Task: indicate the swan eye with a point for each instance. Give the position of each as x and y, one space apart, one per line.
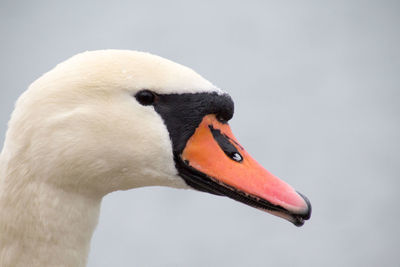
145 97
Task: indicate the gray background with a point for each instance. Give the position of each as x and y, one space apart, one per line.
316 86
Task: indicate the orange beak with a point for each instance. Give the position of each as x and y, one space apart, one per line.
220 165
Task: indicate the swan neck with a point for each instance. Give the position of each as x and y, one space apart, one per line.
42 224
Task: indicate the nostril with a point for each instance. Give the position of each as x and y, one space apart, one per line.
236 156
226 146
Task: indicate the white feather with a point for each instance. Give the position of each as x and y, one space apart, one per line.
75 135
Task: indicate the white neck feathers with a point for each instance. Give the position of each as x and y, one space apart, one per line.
42 225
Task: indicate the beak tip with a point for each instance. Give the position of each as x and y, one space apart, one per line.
307 214
299 222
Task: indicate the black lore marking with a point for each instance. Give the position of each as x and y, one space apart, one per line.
182 113
224 143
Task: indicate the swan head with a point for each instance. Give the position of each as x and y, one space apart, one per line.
114 120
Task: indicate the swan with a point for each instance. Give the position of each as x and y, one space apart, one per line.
113 120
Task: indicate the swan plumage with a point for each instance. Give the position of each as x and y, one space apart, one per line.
79 133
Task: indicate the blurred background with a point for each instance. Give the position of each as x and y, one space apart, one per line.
316 88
